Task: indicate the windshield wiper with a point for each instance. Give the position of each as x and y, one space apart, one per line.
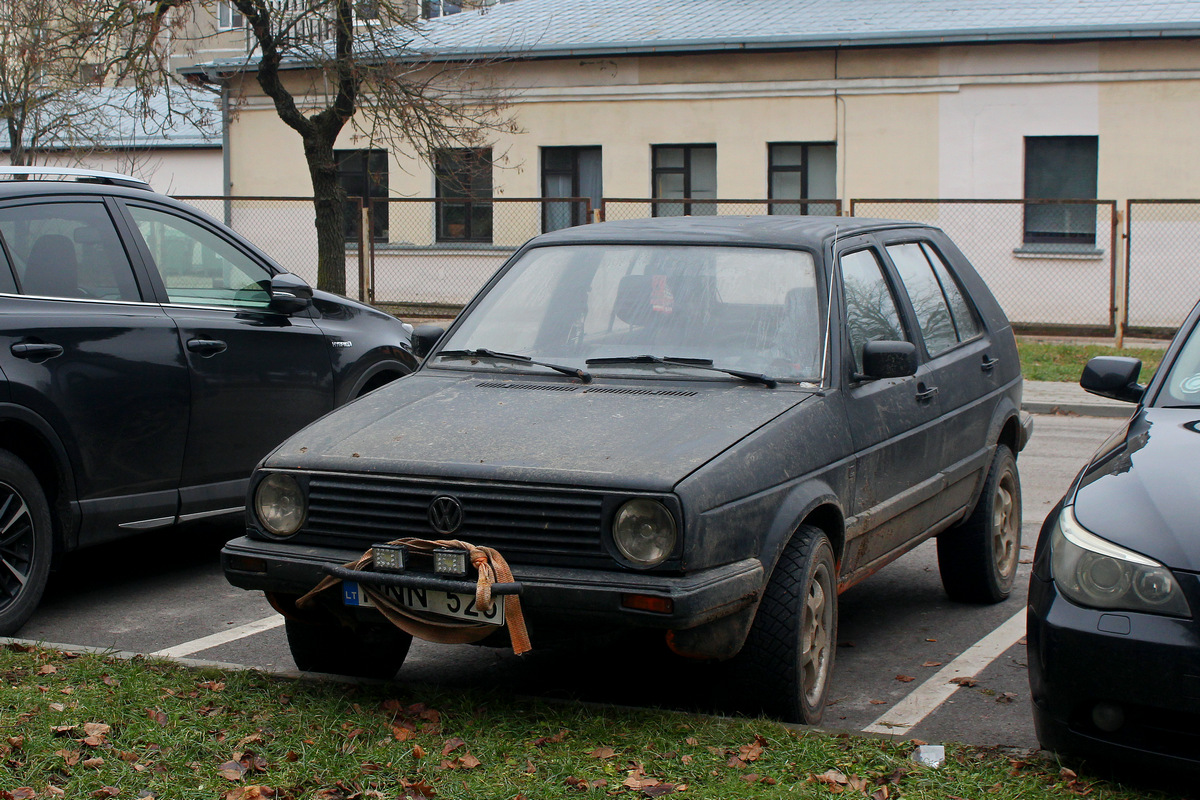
697 363
482 352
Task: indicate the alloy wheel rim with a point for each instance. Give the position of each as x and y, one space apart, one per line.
16 544
816 633
1006 534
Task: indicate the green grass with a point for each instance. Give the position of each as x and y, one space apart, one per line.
1052 361
95 726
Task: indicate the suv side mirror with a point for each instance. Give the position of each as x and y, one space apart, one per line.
424 337
883 359
1115 377
289 294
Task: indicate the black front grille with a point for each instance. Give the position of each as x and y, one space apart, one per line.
527 526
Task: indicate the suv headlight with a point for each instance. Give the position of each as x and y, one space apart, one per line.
1096 573
644 531
280 504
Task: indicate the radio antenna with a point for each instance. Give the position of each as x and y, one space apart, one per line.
833 274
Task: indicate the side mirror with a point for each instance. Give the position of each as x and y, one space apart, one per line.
289 294
424 337
883 359
1114 377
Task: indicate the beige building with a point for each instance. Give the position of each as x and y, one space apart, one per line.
701 100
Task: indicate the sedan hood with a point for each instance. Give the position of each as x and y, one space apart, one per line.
645 435
1141 490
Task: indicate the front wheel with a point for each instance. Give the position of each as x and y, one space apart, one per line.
369 652
978 559
787 660
25 543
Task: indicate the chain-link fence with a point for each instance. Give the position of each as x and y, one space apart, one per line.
1050 263
615 208
1161 279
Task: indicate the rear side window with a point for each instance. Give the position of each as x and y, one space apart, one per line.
8 282
197 266
942 312
68 250
965 321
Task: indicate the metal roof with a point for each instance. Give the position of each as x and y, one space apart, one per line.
556 28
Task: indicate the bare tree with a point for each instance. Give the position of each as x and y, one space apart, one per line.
326 64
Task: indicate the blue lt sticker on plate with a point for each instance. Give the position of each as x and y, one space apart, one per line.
442 604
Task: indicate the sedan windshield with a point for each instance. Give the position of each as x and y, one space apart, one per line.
609 307
1182 385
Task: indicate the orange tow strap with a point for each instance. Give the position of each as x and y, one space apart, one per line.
490 565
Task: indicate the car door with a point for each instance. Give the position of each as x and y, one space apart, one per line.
892 421
83 349
961 360
257 376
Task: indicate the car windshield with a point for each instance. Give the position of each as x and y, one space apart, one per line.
599 307
1182 384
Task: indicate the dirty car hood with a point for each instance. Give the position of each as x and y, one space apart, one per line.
644 435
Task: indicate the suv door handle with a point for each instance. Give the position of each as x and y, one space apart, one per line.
36 351
206 347
924 395
989 363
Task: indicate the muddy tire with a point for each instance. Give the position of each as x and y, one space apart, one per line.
786 663
978 558
26 543
369 652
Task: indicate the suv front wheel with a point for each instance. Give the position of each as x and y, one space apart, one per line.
25 543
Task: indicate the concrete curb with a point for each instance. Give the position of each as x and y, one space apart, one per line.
1069 409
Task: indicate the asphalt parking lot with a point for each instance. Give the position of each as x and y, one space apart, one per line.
901 640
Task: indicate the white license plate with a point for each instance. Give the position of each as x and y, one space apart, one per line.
432 601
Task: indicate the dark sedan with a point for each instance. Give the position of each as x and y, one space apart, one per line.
1114 642
149 357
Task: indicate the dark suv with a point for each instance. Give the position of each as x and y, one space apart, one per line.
149 357
707 426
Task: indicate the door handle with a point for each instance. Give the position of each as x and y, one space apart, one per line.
924 395
206 348
989 363
36 351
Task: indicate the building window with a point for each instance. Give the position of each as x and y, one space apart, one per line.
464 176
228 17
1061 168
800 170
569 172
687 172
364 176
431 9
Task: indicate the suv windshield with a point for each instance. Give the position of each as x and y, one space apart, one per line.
745 308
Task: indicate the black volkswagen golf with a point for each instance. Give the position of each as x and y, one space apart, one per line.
703 426
149 357
1114 641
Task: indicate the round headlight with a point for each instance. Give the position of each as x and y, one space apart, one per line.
644 531
279 504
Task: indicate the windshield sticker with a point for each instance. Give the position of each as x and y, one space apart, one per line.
661 299
1190 385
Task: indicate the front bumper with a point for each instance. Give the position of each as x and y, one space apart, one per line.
1146 666
548 594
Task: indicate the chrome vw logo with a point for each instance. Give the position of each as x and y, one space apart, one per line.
445 514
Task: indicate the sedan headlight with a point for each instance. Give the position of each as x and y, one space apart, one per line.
280 505
644 531
1096 573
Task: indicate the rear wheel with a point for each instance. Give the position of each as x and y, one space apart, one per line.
376 651
26 543
978 559
787 660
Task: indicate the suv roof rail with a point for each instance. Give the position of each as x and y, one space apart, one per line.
68 173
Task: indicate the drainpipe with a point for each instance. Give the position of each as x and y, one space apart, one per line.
226 178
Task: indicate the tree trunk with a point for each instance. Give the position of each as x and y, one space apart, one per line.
329 201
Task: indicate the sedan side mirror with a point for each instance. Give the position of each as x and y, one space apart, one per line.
424 337
1114 377
883 359
289 294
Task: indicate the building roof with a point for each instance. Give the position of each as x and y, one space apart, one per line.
560 28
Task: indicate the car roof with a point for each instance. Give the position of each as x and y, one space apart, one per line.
775 230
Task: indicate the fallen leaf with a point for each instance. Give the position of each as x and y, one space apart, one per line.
106 791
693 741
469 761
62 730
232 770
555 739
451 745
57 707
94 763
931 640
109 680
403 734
1006 697
158 716
23 793
905 678
879 702
932 664
47 669
418 751
964 681
603 752
70 756
96 729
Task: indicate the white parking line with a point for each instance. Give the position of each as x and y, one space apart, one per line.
922 701
233 634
